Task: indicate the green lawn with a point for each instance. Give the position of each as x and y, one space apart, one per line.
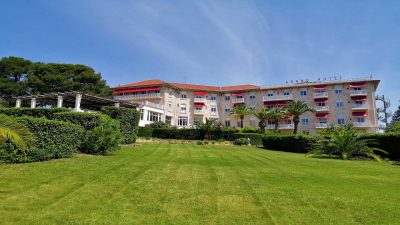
193 184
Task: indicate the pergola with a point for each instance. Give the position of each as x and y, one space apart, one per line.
73 99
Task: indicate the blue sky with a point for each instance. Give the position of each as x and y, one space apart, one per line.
211 42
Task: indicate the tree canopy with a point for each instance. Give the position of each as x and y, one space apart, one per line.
19 76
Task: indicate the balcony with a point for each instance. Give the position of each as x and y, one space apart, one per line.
321 95
199 112
359 107
281 126
237 100
152 105
324 108
138 96
358 92
199 100
361 124
321 125
277 98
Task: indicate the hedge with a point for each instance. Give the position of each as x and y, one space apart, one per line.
289 143
33 112
186 134
53 139
390 142
129 121
102 134
255 139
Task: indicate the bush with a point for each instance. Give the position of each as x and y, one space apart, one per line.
255 139
102 133
241 141
289 143
129 121
33 112
394 126
145 132
53 139
199 143
249 130
159 124
174 133
389 142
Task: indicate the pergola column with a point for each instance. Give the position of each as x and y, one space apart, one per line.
18 103
33 103
78 99
60 101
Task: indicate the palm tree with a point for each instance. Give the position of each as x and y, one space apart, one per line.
296 109
207 127
346 141
11 130
276 114
241 111
262 115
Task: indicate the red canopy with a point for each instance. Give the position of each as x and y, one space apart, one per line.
200 93
132 90
322 115
359 98
199 104
357 84
321 100
360 114
238 94
320 87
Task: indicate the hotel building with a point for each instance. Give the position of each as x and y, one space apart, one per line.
182 105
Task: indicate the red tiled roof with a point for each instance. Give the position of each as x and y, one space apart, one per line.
194 87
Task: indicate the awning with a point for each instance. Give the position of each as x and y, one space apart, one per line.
357 84
322 115
359 98
320 87
238 94
199 104
132 90
360 114
321 100
200 93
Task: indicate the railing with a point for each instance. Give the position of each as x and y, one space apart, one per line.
237 100
277 98
361 124
199 100
322 108
150 95
153 105
281 126
358 92
199 111
321 125
321 95
359 106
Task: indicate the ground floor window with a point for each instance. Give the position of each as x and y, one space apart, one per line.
168 120
227 123
141 114
153 116
182 121
252 123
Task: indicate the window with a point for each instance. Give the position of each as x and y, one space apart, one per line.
227 123
183 95
339 104
338 91
153 116
303 93
286 93
168 119
360 119
270 94
198 109
322 120
141 114
213 110
359 103
340 120
304 122
227 110
182 121
227 98
213 98
252 97
357 89
238 124
169 105
321 104
252 123
183 108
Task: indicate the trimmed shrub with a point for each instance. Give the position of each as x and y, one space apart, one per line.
389 142
145 132
241 141
53 139
185 134
129 121
289 143
102 133
255 139
249 130
33 112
